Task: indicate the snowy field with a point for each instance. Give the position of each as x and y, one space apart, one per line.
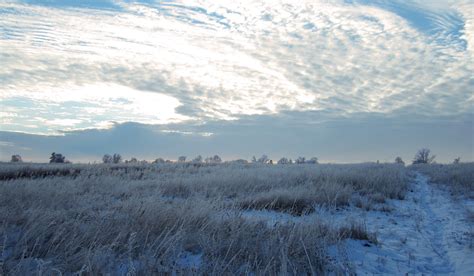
255 219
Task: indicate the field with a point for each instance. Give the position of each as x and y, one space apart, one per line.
218 219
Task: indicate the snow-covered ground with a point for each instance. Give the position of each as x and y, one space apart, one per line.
428 232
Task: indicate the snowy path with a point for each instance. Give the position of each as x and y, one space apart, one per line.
427 233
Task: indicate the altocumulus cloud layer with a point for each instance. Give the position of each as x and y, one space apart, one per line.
343 80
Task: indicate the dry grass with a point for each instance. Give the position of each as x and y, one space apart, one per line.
357 231
294 203
458 177
121 219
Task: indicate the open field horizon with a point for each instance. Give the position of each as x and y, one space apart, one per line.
346 81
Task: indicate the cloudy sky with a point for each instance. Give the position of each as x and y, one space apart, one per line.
346 81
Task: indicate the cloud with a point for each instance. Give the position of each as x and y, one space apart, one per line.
293 134
232 58
72 65
52 111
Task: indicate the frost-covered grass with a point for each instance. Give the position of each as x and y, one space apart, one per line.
458 177
156 218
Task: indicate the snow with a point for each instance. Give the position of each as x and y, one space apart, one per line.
190 260
427 233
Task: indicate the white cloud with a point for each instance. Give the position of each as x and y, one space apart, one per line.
225 59
77 107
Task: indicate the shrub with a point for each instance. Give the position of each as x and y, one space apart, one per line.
16 158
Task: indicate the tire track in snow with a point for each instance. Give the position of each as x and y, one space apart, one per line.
450 239
432 230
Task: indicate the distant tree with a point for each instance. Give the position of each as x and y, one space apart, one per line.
254 160
290 161
216 159
213 159
52 158
117 158
132 160
300 160
283 161
159 161
457 160
181 159
57 158
197 159
263 159
399 160
107 159
16 158
313 160
423 157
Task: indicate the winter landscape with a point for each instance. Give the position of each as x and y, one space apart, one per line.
236 137
237 218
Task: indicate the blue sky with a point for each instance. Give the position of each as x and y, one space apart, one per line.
346 81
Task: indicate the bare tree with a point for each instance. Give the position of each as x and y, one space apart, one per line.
457 160
213 159
263 159
283 161
159 161
117 158
57 158
107 159
197 159
16 158
181 159
313 160
300 160
399 160
217 159
423 157
132 160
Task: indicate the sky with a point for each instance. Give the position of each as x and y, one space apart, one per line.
345 81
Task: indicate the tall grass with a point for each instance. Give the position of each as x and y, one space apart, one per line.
143 219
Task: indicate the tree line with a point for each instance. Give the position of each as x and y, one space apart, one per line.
422 156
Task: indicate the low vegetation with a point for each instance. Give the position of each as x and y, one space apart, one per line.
180 217
459 177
